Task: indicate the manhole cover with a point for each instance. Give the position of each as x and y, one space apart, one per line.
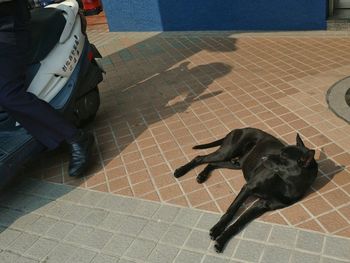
338 98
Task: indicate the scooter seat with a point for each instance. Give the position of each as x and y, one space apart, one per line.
47 25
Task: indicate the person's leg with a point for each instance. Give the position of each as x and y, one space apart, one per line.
35 115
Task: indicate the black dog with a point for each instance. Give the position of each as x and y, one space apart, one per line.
277 174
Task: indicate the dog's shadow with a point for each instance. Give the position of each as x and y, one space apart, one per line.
327 169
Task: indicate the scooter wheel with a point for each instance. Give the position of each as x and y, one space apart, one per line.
86 108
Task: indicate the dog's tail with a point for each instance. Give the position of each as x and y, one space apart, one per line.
209 145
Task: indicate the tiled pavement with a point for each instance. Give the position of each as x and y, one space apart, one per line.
48 222
165 92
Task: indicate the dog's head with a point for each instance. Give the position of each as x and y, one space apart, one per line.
291 159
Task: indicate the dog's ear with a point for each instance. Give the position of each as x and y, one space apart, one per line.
307 158
299 141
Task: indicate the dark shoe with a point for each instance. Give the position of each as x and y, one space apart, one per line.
81 151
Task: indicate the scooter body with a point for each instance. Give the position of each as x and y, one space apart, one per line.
64 72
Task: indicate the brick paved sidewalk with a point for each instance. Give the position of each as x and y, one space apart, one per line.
47 222
165 92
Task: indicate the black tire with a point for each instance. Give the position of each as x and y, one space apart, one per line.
86 108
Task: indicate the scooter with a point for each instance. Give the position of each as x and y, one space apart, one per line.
64 71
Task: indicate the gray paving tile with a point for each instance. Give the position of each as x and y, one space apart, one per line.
229 249
166 213
249 251
51 190
41 226
88 236
26 260
95 217
310 241
257 231
92 198
25 221
337 247
102 258
187 217
110 203
7 236
186 256
302 257
132 225
207 221
33 203
281 235
140 249
60 230
118 244
154 230
146 209
176 235
61 253
23 242
163 254
113 221
41 248
198 240
76 213
57 209
333 260
75 195
215 259
276 254
128 205
123 260
8 216
8 257
81 255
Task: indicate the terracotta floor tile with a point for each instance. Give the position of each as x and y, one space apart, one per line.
118 184
332 222
220 190
170 192
95 179
142 188
317 205
190 185
211 206
274 218
345 232
337 197
139 176
151 196
181 201
345 211
102 188
311 225
295 214
199 197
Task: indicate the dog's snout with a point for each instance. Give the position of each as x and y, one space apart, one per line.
264 158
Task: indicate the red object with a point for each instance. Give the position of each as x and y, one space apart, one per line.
92 7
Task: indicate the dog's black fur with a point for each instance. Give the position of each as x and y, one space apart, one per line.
278 174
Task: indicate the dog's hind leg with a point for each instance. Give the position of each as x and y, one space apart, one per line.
220 226
204 175
257 209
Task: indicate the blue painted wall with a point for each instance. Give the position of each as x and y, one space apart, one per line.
170 15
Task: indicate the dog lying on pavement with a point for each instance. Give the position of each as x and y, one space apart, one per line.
278 174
